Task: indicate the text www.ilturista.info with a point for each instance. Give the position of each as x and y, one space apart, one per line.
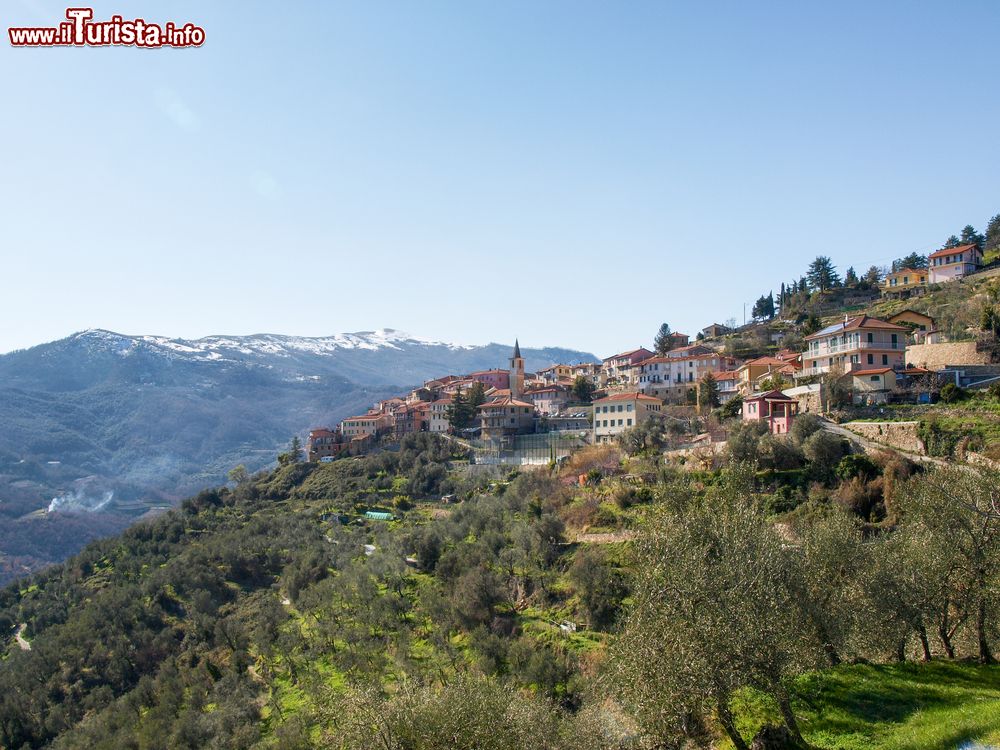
80 30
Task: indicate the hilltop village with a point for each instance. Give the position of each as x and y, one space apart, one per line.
818 348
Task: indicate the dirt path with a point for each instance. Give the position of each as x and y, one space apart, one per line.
606 538
19 637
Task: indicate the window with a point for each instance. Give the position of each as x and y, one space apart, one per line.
874 378
871 359
871 337
620 422
629 408
885 359
630 423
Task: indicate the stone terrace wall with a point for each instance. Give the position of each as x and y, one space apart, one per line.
939 356
900 435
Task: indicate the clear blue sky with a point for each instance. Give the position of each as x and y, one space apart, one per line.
570 173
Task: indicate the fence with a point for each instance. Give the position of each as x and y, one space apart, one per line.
528 450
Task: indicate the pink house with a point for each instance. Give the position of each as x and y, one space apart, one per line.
774 408
954 262
499 379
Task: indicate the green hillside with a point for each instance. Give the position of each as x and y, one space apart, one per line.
619 600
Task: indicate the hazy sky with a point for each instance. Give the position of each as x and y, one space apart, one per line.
568 173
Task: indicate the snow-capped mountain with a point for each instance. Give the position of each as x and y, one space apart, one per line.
152 418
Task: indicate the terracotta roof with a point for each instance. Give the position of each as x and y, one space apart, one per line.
322 432
626 354
505 401
951 251
693 349
769 396
764 361
874 371
916 371
912 312
903 271
635 396
731 375
856 323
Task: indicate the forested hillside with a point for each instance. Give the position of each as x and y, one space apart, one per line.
620 600
120 424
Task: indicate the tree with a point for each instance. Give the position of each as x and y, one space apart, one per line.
714 612
811 324
822 274
992 239
971 237
955 509
476 398
708 391
915 261
989 321
850 277
824 450
598 585
583 389
951 242
458 412
830 564
663 342
873 276
239 475
763 308
294 453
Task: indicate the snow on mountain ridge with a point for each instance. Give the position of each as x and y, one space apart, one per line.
213 347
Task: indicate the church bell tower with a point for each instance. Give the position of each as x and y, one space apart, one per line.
516 372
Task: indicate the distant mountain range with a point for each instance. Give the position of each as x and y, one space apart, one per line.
101 427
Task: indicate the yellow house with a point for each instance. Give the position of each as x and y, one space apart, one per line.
905 282
616 413
911 318
750 372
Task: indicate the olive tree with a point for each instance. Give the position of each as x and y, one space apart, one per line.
714 611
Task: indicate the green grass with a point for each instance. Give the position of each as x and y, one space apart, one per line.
936 706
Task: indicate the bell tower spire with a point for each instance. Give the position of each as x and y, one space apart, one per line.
516 371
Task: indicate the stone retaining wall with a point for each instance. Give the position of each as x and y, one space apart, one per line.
939 356
901 435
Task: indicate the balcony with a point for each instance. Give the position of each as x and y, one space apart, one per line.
852 346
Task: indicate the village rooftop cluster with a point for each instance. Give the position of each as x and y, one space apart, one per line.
869 358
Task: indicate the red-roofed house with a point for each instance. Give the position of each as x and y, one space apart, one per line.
324 443
618 412
751 372
774 408
872 385
505 416
728 383
367 425
670 377
492 378
621 369
857 343
548 400
954 262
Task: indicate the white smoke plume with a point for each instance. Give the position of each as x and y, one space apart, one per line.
79 500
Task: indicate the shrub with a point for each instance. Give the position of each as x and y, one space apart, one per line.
857 465
952 394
